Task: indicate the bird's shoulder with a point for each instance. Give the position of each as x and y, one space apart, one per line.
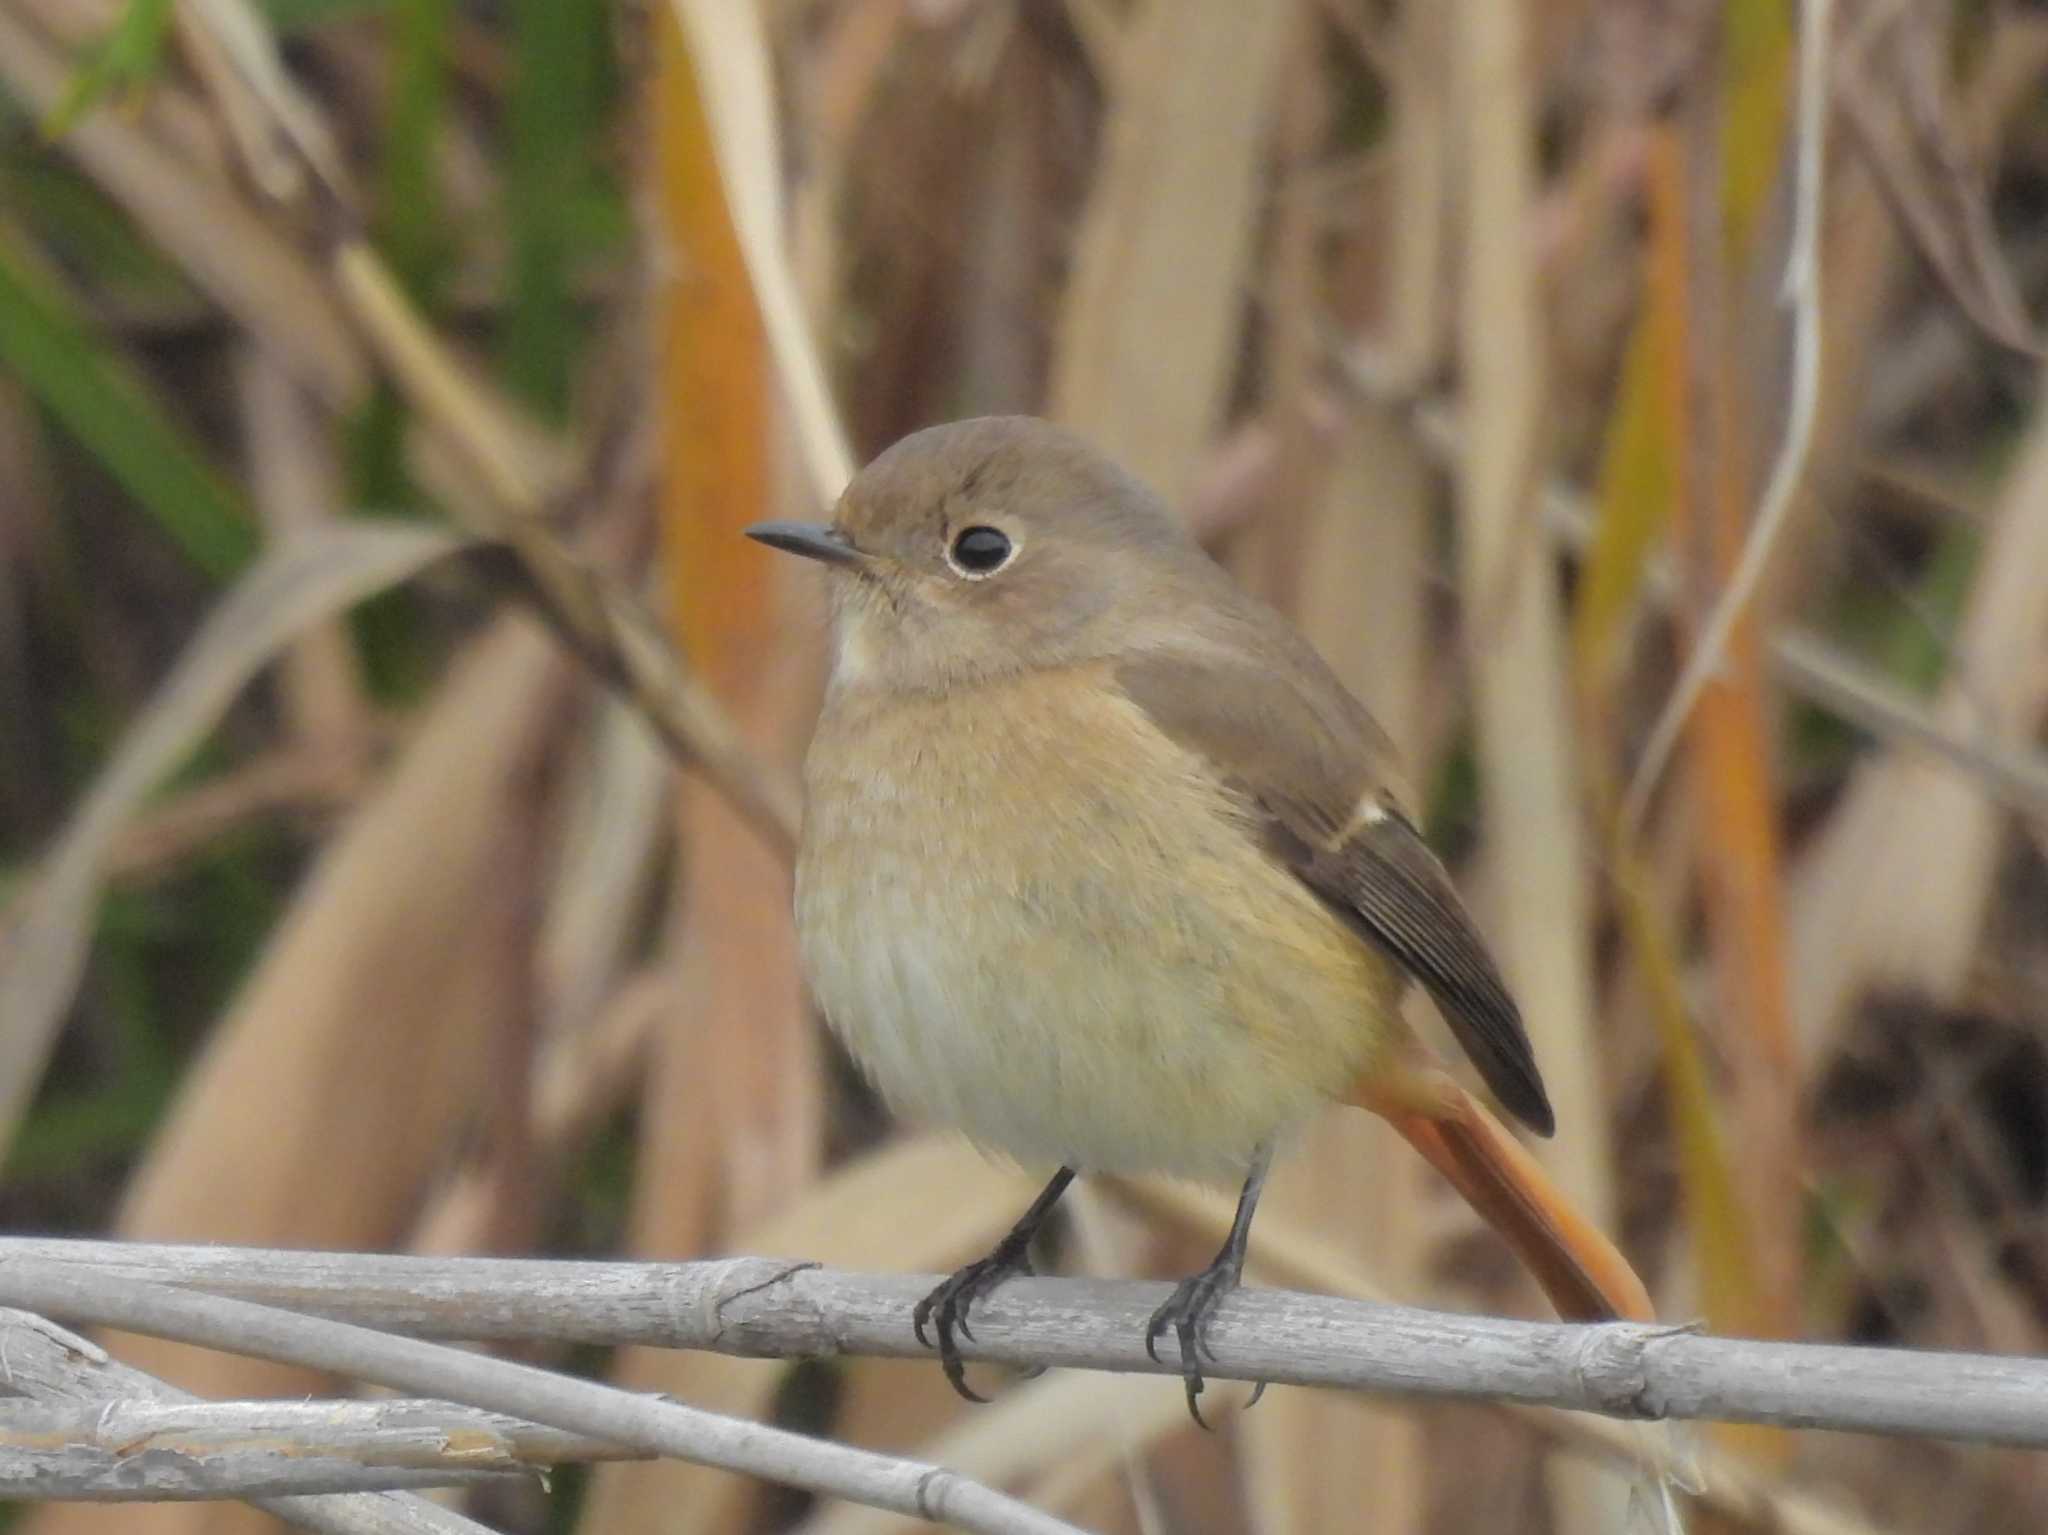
1245 691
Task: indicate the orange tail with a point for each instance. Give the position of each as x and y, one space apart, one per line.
1583 1273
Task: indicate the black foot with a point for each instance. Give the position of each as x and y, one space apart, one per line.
1186 1315
946 1307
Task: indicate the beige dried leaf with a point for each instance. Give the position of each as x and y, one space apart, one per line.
1150 325
48 929
1076 1424
1897 891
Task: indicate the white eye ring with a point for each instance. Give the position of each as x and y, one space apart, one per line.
979 551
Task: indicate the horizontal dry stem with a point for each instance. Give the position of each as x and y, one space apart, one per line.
140 1451
782 1308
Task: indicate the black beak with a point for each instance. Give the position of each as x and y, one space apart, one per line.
812 540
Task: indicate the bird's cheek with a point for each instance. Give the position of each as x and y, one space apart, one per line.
857 643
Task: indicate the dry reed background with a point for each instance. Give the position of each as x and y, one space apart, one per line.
1461 330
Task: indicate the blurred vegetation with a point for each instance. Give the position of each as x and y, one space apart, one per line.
425 944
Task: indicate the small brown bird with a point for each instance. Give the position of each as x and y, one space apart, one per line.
1104 867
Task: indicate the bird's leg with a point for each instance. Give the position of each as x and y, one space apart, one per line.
1186 1312
946 1307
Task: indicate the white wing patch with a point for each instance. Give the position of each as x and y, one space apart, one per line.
1371 811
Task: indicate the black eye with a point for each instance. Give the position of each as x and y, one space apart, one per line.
979 551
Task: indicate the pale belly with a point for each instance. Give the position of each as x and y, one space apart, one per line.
1057 936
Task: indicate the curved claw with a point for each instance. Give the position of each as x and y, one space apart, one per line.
947 1306
956 1370
1186 1314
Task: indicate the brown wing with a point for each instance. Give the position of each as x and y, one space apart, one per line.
1280 727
